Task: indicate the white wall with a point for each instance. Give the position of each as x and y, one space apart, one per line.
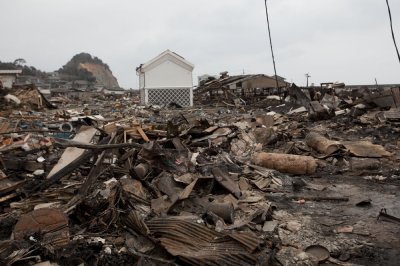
7 80
168 75
141 81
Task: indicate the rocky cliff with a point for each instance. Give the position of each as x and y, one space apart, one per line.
102 74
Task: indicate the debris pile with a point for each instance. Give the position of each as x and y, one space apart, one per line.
27 97
234 185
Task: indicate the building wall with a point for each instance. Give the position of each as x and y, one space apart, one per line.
168 75
142 96
7 80
142 81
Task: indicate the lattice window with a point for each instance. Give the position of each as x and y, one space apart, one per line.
166 96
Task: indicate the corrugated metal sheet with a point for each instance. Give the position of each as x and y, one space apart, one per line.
198 245
135 221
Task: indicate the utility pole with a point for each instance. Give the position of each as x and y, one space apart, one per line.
272 52
307 76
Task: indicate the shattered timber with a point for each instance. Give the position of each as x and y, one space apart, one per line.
295 176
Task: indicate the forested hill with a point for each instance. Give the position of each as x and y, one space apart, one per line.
86 67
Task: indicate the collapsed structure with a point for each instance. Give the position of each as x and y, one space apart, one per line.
245 87
304 179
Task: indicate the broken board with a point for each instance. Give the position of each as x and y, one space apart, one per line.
84 135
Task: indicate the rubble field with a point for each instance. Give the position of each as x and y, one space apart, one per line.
294 181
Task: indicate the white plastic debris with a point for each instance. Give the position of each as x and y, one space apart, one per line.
10 97
38 172
94 240
107 250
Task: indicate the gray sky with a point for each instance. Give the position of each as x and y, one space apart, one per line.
333 40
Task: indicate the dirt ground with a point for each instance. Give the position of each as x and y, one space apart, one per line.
371 242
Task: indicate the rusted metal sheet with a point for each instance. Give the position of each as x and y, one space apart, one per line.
366 149
51 224
286 163
198 245
322 144
135 221
224 179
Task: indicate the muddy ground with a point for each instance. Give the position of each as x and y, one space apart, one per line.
371 242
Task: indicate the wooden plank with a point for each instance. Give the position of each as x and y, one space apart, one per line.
84 135
144 136
110 128
396 96
7 185
4 127
210 129
10 196
2 175
133 133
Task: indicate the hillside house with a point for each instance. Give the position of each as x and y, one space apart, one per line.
166 79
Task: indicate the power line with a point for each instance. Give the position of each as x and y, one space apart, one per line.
272 50
391 28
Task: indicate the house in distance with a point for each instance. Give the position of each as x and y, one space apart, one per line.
8 77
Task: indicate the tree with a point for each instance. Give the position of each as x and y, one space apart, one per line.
19 62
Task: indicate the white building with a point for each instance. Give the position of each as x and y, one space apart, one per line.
166 79
8 77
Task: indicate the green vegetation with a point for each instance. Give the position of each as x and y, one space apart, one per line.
73 69
26 70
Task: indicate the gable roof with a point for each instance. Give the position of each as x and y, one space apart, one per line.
164 56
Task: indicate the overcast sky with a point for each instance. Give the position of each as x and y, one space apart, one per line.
333 40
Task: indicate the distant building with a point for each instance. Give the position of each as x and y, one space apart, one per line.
8 77
74 94
116 92
243 86
81 84
166 79
279 78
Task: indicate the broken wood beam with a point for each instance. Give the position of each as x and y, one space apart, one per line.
142 134
85 134
307 198
68 143
93 175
